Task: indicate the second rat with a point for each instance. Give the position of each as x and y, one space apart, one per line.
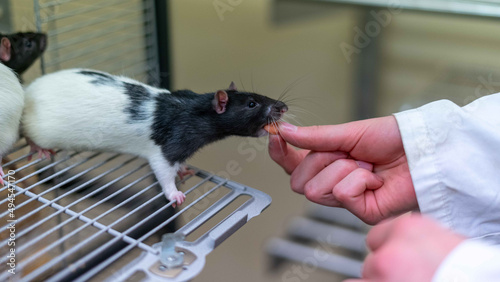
81 109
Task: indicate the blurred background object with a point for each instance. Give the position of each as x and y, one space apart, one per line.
337 61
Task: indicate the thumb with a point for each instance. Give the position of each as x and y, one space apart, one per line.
341 137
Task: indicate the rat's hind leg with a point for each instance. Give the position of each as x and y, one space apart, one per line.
41 151
165 173
184 170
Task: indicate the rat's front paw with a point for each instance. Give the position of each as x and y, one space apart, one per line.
178 196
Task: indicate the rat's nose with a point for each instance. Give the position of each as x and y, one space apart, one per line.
280 107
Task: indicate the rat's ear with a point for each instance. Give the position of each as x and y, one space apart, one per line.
5 49
220 101
232 86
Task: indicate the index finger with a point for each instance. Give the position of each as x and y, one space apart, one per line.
341 137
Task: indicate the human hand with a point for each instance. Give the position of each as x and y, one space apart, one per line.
409 248
360 166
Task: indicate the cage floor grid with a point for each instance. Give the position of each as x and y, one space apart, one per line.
99 216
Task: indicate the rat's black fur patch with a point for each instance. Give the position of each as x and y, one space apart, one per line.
99 77
185 121
178 127
137 94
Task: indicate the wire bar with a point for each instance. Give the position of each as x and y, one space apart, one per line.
132 64
71 219
88 222
111 259
32 227
68 180
105 44
119 236
56 3
81 11
76 25
82 38
141 70
76 189
18 159
80 53
33 174
114 55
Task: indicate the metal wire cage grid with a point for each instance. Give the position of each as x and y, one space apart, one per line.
101 211
117 36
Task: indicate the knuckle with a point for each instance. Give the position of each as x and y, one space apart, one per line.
342 195
363 175
295 185
326 158
310 191
346 165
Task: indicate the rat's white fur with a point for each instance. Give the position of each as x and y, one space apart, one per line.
11 108
64 110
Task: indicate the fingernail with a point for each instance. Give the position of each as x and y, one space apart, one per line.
365 165
288 127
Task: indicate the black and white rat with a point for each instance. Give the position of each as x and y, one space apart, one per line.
11 108
81 109
19 50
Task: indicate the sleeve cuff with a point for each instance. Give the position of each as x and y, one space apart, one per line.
420 150
470 261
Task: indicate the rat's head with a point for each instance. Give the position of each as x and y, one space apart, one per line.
245 113
18 51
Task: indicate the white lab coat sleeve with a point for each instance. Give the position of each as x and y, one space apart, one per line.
469 262
454 158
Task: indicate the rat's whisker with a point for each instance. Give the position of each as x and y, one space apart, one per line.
295 99
251 81
279 133
241 82
322 119
293 84
294 119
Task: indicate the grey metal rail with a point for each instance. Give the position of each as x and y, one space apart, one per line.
464 7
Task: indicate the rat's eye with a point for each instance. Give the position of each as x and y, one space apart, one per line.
28 43
252 104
